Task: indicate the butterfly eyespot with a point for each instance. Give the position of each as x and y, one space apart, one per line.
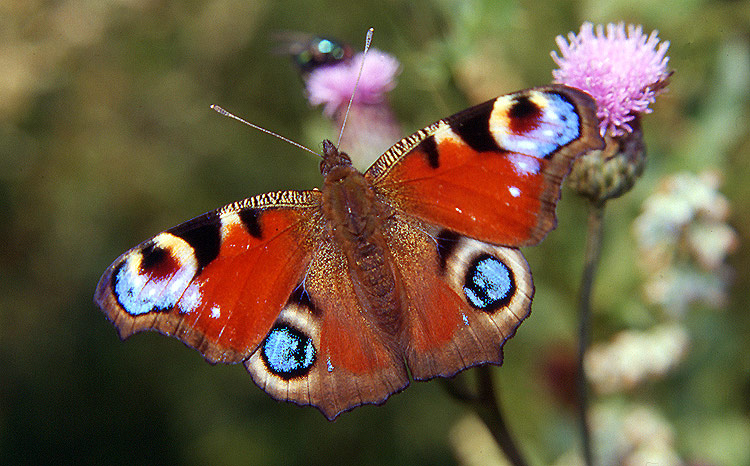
489 283
152 279
153 256
287 352
524 115
535 125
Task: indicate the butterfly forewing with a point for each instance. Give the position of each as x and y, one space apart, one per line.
201 280
492 172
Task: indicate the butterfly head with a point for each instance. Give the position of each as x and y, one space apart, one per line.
334 161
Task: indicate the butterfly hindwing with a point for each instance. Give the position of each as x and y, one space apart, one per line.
465 297
492 172
200 281
324 349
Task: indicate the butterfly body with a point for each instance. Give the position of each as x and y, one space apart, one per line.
356 221
332 297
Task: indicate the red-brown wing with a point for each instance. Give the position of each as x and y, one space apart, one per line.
465 298
492 172
219 281
323 350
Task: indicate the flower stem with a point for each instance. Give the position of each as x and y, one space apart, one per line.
593 253
488 408
486 404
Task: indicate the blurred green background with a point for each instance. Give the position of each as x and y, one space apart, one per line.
106 138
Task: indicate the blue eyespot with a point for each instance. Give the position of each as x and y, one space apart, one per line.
489 283
288 352
154 283
540 131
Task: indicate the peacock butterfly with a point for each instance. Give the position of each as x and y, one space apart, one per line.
332 297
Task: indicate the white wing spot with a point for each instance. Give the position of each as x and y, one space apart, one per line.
524 165
330 366
525 146
515 192
191 298
215 312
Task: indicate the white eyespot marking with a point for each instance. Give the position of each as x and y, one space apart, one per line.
524 165
329 365
138 294
154 277
192 298
514 191
526 146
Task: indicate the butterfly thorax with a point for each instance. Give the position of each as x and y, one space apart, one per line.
355 220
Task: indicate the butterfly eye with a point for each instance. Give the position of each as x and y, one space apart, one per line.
287 352
489 283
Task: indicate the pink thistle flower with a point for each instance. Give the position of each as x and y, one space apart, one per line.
332 86
623 71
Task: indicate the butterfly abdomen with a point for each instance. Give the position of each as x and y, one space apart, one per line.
355 219
373 274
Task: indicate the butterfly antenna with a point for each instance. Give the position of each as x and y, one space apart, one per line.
233 116
368 41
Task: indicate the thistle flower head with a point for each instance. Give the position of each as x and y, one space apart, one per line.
622 70
332 86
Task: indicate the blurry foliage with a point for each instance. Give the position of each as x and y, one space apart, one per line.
106 138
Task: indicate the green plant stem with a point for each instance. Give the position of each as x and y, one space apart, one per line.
593 254
487 406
